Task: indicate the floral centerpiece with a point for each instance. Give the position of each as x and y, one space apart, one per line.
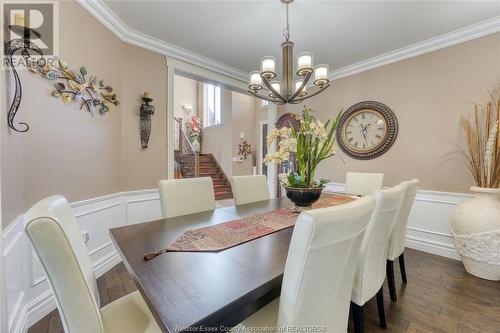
304 148
193 128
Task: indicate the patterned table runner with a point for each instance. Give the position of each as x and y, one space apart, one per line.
223 236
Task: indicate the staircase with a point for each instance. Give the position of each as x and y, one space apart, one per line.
191 164
208 167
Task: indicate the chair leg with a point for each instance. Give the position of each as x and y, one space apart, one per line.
389 269
402 267
380 307
357 317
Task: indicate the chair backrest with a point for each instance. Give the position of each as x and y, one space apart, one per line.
186 196
319 270
363 183
57 240
247 189
370 270
398 237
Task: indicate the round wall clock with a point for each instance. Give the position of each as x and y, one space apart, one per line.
367 130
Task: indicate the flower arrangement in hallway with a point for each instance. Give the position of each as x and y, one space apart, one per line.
306 147
193 129
482 148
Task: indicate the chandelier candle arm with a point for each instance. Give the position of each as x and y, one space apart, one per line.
272 91
301 89
321 75
298 100
304 63
268 66
255 81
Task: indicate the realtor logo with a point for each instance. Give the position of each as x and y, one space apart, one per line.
29 28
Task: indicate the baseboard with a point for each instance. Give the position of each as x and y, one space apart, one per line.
30 297
106 263
430 246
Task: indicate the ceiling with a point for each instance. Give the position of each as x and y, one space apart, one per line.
339 33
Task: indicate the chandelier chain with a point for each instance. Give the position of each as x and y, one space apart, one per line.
286 31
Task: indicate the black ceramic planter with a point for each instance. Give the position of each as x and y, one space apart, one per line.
303 197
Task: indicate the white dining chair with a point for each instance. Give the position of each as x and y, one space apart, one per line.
247 189
363 183
319 270
398 237
58 243
186 196
369 275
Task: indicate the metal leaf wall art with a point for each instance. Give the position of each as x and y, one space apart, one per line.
77 87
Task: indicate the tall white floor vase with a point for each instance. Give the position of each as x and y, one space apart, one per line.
475 227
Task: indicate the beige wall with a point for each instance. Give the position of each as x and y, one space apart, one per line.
67 151
243 119
428 94
238 116
216 140
185 92
141 71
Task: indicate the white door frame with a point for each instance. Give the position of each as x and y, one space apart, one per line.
197 73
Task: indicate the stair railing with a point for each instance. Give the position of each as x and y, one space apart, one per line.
185 147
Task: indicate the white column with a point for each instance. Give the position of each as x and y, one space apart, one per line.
272 117
170 121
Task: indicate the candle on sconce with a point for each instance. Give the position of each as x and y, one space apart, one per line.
255 80
276 86
297 87
321 74
304 63
19 19
268 66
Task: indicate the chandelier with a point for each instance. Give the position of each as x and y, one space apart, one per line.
263 84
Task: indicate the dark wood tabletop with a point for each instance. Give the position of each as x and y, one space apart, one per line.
198 291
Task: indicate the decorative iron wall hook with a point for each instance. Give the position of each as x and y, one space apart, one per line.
11 47
146 112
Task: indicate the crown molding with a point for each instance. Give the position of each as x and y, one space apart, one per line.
111 21
465 34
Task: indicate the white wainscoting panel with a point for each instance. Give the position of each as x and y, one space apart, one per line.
429 221
28 297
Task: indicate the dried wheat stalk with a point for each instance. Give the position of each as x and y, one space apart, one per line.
482 148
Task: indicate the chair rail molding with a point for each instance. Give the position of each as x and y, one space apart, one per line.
28 297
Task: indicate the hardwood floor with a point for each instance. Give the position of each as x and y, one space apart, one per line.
439 297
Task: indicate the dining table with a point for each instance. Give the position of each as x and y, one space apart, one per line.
204 291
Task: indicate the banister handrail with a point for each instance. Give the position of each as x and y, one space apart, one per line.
183 135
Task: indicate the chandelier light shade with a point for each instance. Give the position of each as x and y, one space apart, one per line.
295 84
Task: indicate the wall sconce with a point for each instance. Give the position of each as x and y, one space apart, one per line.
187 109
146 112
